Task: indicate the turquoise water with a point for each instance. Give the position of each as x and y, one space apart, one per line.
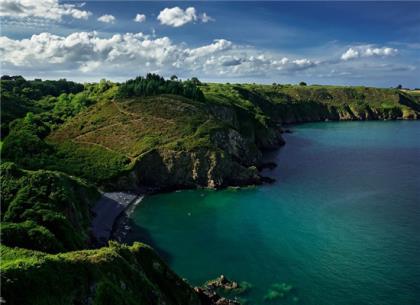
341 224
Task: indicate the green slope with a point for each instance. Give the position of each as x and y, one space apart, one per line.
112 275
44 210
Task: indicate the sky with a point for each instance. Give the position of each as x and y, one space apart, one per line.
341 43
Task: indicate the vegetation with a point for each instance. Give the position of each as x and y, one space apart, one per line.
43 210
111 275
101 132
154 84
62 140
20 96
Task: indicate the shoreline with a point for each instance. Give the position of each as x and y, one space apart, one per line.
120 227
110 210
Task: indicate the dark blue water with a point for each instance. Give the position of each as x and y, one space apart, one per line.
341 224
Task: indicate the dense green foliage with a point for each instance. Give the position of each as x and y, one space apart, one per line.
112 275
29 235
52 102
154 84
19 96
44 210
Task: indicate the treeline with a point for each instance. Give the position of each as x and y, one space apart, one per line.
154 84
37 88
52 100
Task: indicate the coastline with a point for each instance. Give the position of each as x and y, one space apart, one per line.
113 209
110 214
120 227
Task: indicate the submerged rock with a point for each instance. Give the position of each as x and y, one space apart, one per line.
266 179
267 165
278 291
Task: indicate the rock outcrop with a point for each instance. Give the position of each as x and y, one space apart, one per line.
169 169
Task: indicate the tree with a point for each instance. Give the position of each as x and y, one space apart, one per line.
399 86
195 81
174 77
154 84
302 84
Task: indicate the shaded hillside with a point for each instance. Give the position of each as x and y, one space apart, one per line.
112 275
44 210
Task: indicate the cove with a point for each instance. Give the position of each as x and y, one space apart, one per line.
341 223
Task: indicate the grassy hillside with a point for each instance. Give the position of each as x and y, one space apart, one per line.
292 104
135 128
112 275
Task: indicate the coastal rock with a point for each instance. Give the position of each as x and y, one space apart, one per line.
170 169
222 282
240 148
210 297
225 286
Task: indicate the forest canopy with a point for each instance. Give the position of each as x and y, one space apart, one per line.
154 84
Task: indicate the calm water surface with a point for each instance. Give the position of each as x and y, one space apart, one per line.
341 224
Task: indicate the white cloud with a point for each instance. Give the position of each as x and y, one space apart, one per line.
177 17
136 53
107 19
350 54
206 18
217 45
367 51
45 9
140 18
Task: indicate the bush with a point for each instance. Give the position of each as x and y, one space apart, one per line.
57 206
29 235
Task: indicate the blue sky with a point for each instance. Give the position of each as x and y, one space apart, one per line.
348 43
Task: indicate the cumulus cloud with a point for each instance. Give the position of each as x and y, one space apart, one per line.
140 18
137 53
367 51
107 19
177 17
45 9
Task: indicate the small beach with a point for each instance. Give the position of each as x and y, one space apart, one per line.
109 211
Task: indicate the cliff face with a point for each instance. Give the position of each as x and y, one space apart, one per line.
181 169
